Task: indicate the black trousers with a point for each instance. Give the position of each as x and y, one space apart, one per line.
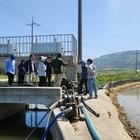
20 79
83 81
42 81
48 78
10 78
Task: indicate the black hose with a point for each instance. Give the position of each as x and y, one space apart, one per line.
89 108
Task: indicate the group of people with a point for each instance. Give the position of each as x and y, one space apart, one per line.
87 76
28 67
44 69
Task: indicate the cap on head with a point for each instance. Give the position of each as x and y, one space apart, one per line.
12 55
83 62
42 58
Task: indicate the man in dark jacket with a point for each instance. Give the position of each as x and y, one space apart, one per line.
83 78
30 68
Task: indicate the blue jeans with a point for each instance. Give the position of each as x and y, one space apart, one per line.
92 86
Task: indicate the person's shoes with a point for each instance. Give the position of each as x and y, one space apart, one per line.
90 97
85 94
95 97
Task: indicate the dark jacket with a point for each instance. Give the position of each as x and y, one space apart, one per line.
21 69
29 66
49 68
84 72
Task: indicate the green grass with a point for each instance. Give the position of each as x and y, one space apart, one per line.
3 76
111 76
106 76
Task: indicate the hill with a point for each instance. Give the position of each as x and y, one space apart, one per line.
119 60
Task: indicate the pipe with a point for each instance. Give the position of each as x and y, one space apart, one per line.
89 108
51 110
89 124
54 119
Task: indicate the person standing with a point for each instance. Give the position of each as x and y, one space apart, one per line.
21 72
42 71
57 64
10 68
78 71
91 70
48 70
30 68
83 78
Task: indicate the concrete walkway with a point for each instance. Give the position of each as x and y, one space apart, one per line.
107 126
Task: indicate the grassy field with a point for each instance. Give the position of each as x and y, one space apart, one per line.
104 77
107 76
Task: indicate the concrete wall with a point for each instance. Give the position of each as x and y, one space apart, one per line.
117 83
62 129
30 95
7 110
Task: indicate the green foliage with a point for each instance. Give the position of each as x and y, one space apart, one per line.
120 60
112 76
2 70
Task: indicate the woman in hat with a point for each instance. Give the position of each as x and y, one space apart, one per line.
42 71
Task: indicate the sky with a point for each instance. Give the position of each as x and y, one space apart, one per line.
108 26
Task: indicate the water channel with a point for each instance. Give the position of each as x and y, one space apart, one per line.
130 101
19 126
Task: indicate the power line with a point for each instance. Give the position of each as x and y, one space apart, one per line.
19 11
11 27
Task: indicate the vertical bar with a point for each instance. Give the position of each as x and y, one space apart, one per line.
79 29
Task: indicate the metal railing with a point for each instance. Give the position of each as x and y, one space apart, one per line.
42 44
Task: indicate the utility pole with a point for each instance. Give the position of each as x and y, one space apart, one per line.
32 26
79 29
136 61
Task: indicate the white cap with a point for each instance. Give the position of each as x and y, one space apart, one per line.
43 58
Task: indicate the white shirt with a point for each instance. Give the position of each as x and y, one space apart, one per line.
78 69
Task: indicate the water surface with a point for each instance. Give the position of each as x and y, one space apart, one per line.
130 101
19 126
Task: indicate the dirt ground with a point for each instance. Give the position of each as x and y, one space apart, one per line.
112 93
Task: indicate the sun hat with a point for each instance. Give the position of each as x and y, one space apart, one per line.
42 58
